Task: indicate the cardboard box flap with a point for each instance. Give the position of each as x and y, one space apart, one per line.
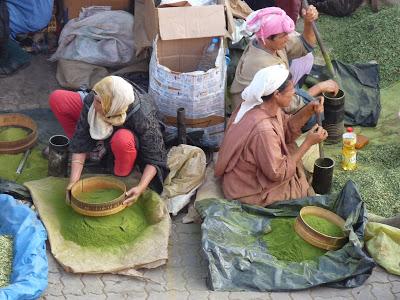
174 4
186 22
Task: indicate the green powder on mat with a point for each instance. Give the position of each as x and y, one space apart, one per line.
12 133
109 231
323 226
6 258
286 245
100 196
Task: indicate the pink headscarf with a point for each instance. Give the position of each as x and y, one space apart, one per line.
269 21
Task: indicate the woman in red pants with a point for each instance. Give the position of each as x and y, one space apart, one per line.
115 114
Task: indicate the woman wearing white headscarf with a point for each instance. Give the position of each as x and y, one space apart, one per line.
118 116
258 160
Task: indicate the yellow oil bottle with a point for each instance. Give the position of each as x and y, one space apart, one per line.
349 152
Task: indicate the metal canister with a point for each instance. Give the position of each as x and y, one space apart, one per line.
58 156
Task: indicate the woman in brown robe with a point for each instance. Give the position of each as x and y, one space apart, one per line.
258 160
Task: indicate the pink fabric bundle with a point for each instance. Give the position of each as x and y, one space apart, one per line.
269 21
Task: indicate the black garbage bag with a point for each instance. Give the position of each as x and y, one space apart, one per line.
360 83
239 260
336 8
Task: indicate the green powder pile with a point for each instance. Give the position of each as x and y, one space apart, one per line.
377 177
12 133
6 258
102 232
286 245
323 226
100 196
366 36
35 167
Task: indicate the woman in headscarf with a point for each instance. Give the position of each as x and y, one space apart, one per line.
116 116
276 43
258 160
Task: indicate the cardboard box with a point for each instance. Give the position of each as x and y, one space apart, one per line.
182 33
73 7
175 83
178 22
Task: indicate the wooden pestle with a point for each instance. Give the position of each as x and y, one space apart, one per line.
320 145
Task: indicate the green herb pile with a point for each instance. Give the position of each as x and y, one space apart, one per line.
366 36
102 232
11 133
286 245
100 196
6 258
323 226
377 177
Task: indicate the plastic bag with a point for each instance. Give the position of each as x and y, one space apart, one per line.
383 244
238 260
30 266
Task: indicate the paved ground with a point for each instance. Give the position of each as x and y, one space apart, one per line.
184 276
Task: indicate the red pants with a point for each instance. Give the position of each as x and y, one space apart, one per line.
67 107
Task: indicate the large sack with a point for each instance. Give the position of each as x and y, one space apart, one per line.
187 165
104 39
73 74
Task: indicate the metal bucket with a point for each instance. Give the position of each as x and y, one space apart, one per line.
334 116
323 175
58 156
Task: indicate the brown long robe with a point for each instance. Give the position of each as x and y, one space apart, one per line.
255 159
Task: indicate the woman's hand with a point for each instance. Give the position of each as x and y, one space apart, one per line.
310 15
316 135
68 192
329 86
133 194
317 105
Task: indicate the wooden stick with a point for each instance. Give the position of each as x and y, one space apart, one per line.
325 53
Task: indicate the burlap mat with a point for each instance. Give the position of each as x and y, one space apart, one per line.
149 250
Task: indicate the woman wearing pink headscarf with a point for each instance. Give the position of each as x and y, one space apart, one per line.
276 43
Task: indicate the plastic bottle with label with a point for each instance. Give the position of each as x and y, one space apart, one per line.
210 53
349 152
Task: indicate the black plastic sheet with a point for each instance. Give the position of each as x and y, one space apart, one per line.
239 260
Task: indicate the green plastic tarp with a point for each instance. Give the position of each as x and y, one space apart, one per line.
239 260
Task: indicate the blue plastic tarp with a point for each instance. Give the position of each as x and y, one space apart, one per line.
29 15
30 267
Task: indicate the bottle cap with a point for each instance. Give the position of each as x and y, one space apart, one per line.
215 40
349 129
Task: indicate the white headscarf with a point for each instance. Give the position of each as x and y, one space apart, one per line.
265 82
116 95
